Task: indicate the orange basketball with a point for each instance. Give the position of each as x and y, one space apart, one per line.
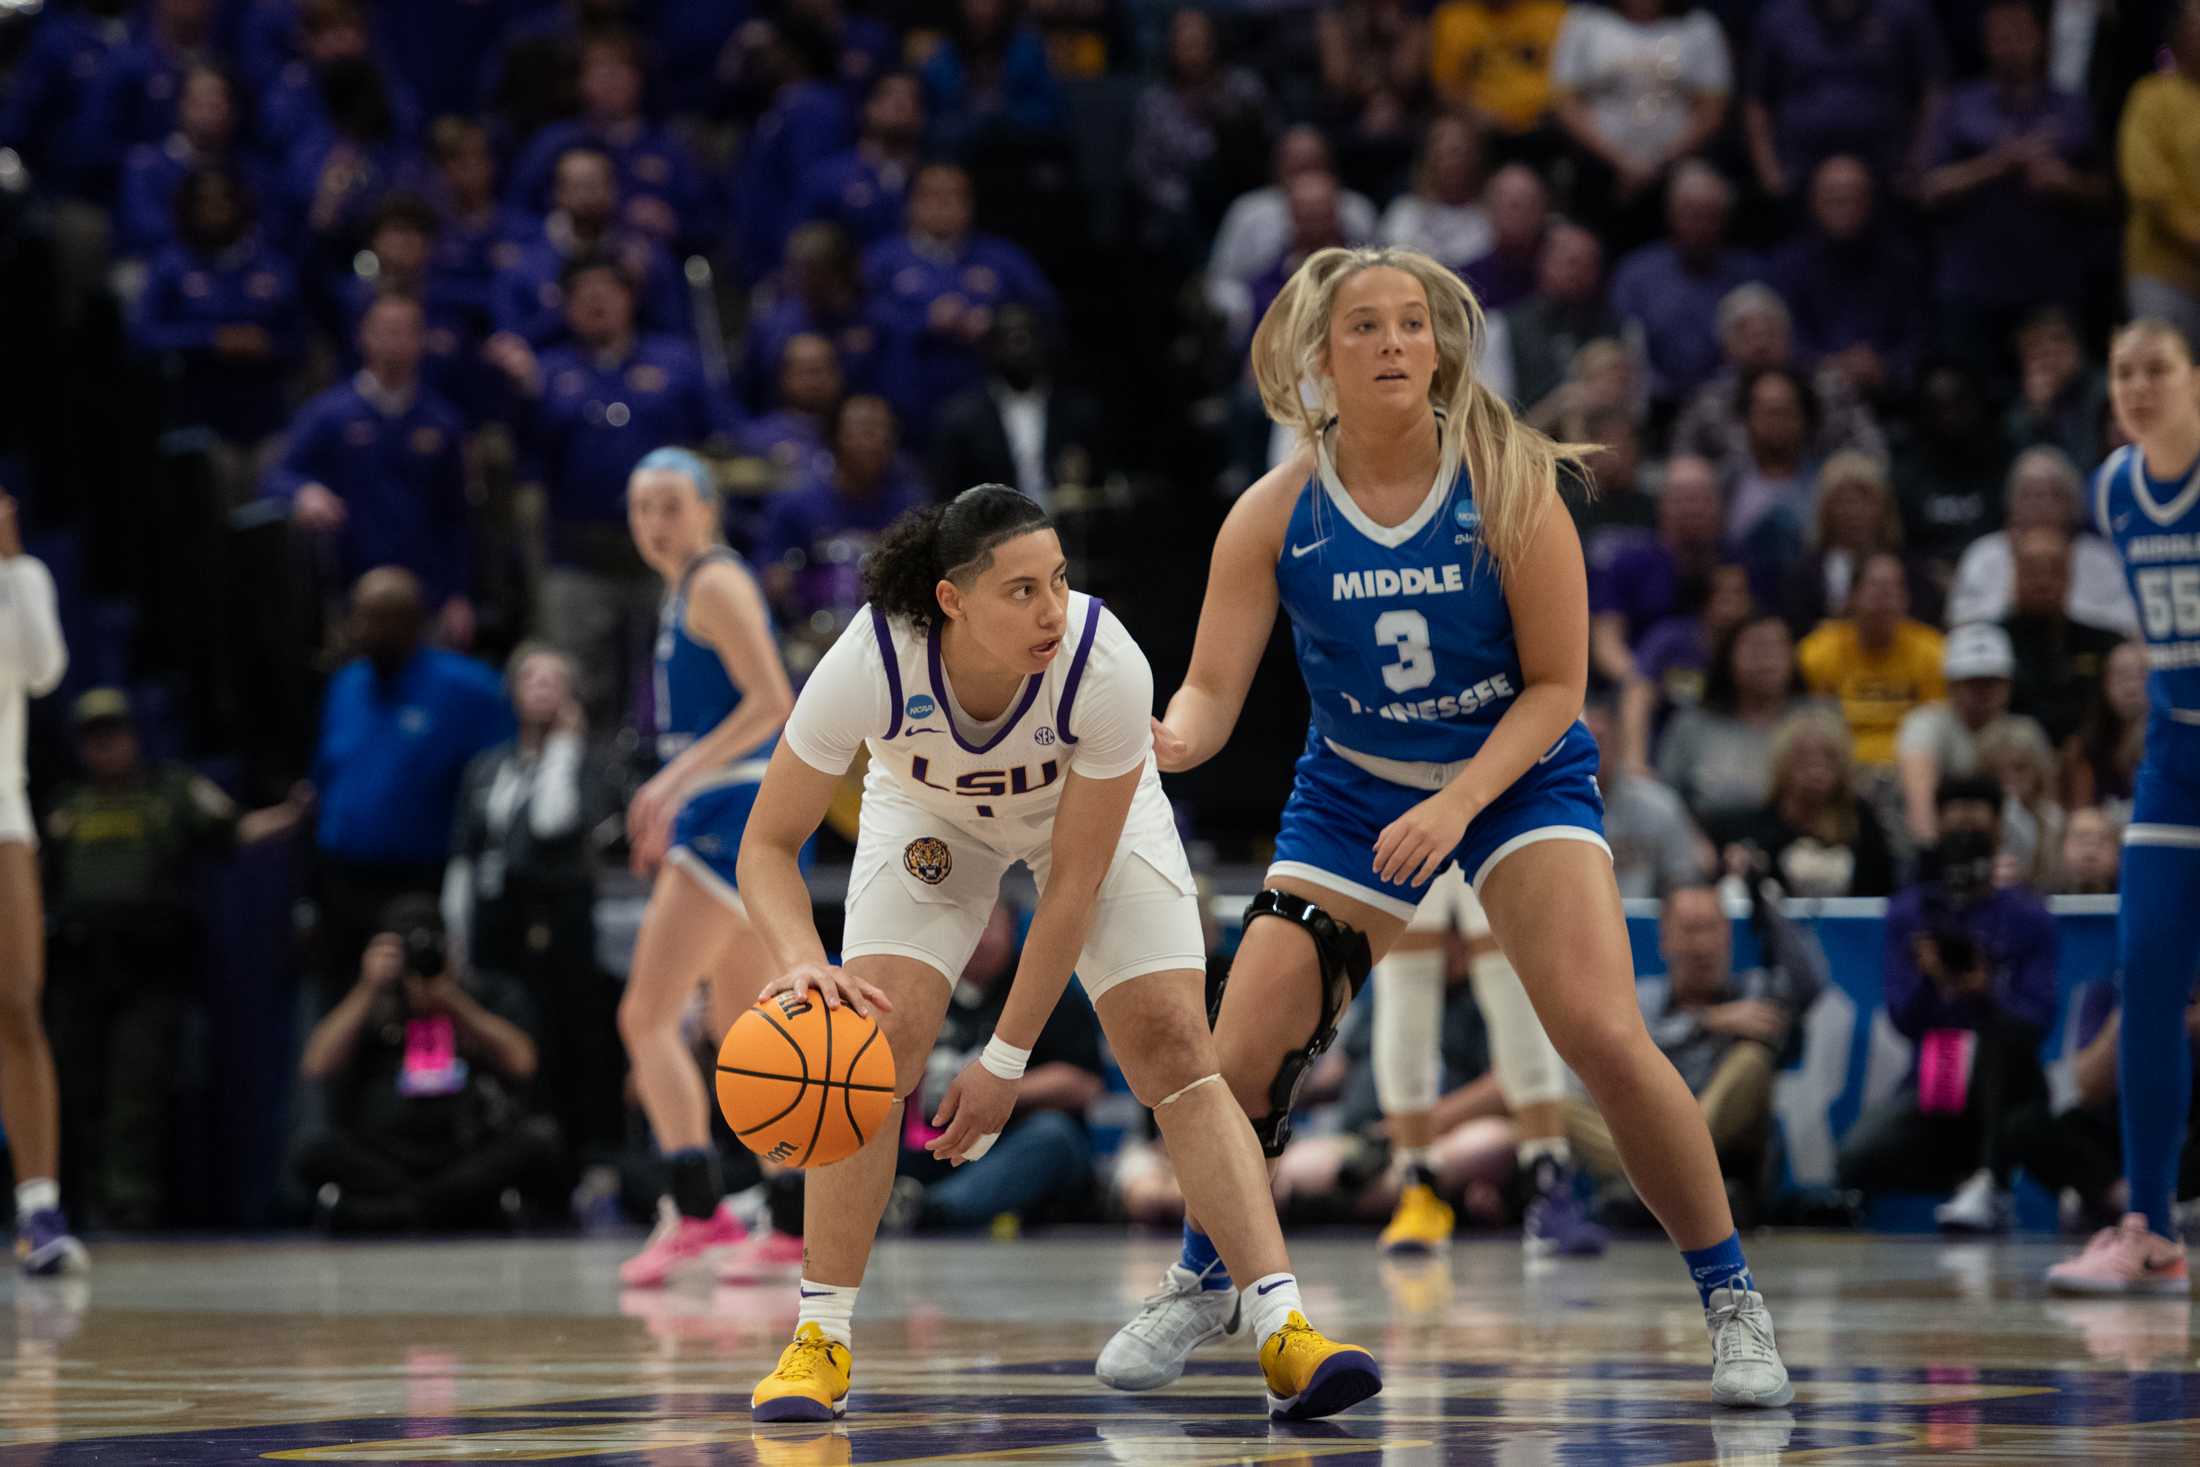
803 1085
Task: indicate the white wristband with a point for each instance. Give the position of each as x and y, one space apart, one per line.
1004 1059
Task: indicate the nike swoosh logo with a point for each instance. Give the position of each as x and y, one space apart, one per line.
2121 521
1265 1288
1299 550
911 732
813 1293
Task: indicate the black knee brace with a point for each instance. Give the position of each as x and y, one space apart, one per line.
1342 954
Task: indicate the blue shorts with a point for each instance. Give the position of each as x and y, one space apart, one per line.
1337 809
2165 798
706 836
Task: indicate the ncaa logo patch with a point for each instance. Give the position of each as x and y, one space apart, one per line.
920 705
1042 736
1465 517
928 859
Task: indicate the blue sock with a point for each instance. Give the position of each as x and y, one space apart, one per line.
1199 1256
2158 943
1717 1266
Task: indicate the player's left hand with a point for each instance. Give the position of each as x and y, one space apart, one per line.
977 1105
1415 846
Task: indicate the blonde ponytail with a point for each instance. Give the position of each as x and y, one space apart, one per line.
1514 467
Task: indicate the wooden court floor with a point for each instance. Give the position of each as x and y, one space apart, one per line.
1905 1350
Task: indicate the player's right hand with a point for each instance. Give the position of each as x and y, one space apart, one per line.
1170 753
835 985
383 963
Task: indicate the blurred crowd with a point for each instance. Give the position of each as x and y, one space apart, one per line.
338 325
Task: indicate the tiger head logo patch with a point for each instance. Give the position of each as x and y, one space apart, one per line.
928 859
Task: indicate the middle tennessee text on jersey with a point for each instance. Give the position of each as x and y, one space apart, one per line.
1403 634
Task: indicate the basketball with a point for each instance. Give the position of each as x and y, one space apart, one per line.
804 1085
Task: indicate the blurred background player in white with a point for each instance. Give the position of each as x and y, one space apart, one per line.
32 660
2146 500
1409 1014
1008 719
1439 607
721 696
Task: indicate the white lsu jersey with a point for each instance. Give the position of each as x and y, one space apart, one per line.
884 684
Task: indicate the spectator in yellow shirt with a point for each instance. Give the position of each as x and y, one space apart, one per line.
1877 661
2158 154
1492 59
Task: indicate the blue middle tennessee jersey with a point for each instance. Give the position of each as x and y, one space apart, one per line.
2156 529
1403 633
694 692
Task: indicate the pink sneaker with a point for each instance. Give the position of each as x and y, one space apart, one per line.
768 1254
680 1242
2129 1258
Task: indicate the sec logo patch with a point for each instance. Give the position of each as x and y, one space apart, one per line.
928 859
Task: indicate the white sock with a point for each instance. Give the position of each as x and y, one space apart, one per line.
831 1307
1269 1300
1408 1157
36 1195
1554 1147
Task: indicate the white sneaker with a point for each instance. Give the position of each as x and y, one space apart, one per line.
1978 1206
1150 1351
1746 1369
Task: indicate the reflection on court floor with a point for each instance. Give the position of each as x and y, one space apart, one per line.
1903 1350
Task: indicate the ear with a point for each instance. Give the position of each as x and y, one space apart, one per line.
950 599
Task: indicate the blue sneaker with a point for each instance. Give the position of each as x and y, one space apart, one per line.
1557 1224
43 1243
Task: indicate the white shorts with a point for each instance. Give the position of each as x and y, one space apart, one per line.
15 818
923 886
1451 903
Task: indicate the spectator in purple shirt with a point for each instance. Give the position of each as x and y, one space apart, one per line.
1970 980
814 539
1520 219
807 121
866 189
133 99
663 191
46 111
2011 185
1670 291
821 292
207 124
1840 76
330 33
1853 285
933 292
791 438
221 311
1647 579
481 237
584 224
337 177
377 465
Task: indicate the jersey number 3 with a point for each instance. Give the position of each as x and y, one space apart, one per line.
2168 599
1416 665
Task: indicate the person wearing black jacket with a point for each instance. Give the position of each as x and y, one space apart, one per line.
1020 426
520 891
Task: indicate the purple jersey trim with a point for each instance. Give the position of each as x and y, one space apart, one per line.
893 670
1077 670
939 691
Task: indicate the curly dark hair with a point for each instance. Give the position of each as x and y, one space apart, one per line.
925 546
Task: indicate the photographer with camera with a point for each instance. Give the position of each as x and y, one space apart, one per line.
427 1072
1970 979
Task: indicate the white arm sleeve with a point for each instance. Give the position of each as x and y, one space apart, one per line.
32 654
1113 714
844 702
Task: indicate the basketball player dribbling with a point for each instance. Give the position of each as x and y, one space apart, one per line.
722 693
1439 606
1008 719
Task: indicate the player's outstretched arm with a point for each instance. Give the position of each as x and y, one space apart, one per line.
1234 622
